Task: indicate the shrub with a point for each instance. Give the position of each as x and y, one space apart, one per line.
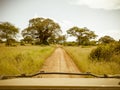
105 52
117 48
80 57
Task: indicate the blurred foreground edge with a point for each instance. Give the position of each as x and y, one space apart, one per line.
60 84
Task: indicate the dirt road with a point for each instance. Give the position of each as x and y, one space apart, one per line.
59 61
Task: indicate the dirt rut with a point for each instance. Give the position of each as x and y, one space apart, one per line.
59 61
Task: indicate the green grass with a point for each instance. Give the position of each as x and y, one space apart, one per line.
80 56
23 59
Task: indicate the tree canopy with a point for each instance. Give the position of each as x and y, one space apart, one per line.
8 32
28 39
83 35
106 39
42 29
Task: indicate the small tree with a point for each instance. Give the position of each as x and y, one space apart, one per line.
106 39
8 32
83 35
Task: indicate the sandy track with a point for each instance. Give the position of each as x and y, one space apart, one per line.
59 61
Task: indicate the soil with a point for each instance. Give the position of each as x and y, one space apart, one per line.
59 61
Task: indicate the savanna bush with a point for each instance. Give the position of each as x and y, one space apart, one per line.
106 52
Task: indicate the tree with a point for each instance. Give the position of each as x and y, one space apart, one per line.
52 39
8 32
106 39
83 35
41 29
28 39
93 43
61 39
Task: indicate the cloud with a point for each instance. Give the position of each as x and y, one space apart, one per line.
99 4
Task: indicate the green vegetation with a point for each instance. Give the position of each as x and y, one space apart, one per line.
23 59
106 52
41 30
100 59
83 35
80 56
8 32
106 40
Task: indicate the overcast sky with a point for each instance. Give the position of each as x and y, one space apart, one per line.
100 16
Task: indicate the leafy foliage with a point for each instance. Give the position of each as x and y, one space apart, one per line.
42 29
8 32
106 40
106 52
28 39
84 35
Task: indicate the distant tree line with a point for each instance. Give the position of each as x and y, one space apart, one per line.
45 31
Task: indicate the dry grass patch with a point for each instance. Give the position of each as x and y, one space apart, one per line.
80 56
23 59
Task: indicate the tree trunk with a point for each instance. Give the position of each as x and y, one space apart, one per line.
43 40
79 41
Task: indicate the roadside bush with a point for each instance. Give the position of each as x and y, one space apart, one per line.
106 52
117 48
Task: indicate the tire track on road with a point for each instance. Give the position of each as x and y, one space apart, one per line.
59 61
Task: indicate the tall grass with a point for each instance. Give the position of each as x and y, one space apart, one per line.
22 59
81 58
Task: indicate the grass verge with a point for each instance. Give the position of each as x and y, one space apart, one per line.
80 56
23 59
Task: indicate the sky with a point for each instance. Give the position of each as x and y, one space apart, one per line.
100 16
